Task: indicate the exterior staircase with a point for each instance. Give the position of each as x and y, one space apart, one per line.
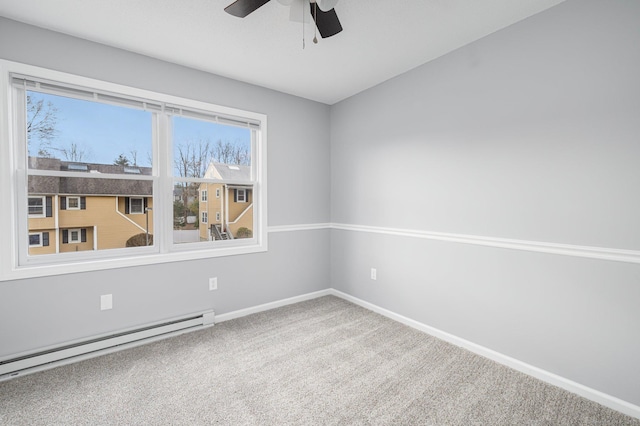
218 234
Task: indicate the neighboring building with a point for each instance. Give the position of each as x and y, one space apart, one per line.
226 209
79 213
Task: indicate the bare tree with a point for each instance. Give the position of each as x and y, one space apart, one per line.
42 119
231 153
134 157
191 159
73 152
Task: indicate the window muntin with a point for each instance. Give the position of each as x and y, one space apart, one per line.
161 108
203 195
205 217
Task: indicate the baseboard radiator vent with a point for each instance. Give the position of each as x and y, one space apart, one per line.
77 351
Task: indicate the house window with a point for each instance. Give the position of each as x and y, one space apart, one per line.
136 205
241 196
36 206
205 217
217 216
74 235
38 239
73 203
158 130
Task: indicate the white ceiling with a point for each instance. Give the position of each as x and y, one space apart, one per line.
381 38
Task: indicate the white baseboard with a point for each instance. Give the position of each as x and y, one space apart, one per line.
546 376
271 305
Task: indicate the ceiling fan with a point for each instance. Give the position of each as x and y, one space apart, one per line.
322 12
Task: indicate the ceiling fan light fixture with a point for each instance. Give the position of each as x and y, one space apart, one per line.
326 5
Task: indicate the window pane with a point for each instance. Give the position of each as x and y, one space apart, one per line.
73 203
84 135
36 206
104 211
34 239
218 152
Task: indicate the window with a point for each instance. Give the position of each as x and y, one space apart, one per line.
73 203
136 205
241 195
35 239
217 216
36 206
127 138
74 236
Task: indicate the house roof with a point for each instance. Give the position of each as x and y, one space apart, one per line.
229 172
82 185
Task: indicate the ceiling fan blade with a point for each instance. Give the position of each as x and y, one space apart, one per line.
327 22
242 8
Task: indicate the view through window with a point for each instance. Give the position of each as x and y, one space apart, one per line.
108 173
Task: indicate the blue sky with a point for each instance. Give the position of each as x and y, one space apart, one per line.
103 132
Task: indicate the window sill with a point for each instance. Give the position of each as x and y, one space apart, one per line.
90 265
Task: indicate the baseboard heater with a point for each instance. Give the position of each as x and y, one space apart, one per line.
77 351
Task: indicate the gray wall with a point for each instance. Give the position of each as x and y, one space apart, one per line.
531 133
39 312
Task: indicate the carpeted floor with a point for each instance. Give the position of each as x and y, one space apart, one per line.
320 362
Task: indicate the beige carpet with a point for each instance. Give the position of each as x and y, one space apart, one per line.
321 362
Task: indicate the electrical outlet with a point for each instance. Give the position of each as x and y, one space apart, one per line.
213 283
374 274
106 302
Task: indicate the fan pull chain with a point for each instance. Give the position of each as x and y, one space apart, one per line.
315 20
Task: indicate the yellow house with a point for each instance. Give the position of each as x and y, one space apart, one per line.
79 213
226 209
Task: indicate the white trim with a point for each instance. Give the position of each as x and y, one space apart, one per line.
131 205
271 305
602 253
44 207
124 216
71 240
69 197
546 376
300 227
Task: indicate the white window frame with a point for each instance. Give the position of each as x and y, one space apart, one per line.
39 234
44 206
204 217
74 240
141 199
204 195
217 192
69 203
15 261
242 191
217 216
